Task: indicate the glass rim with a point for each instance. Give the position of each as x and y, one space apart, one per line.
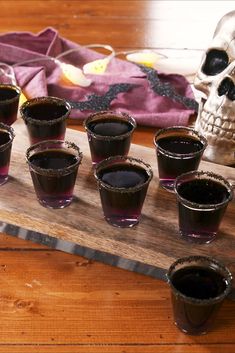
60 171
10 130
196 258
16 88
38 100
200 137
105 163
109 113
210 175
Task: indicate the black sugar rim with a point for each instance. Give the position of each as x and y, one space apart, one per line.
38 100
119 160
209 176
10 130
17 89
195 258
54 172
110 114
178 129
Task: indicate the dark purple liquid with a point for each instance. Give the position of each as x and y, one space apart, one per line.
110 127
202 225
199 283
180 144
45 112
4 156
203 191
123 208
170 167
8 109
53 190
103 148
4 137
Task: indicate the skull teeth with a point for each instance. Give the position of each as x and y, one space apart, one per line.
225 125
216 130
218 122
211 120
217 127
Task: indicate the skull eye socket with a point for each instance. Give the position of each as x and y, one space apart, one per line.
231 94
227 88
216 61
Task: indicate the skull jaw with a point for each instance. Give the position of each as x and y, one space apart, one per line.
218 150
219 155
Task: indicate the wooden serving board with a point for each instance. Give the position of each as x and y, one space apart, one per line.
149 248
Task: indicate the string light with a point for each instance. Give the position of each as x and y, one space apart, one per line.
99 66
77 76
74 75
70 72
147 57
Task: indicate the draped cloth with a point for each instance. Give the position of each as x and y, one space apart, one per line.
43 77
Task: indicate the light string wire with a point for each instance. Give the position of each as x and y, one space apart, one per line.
145 59
8 70
96 66
141 51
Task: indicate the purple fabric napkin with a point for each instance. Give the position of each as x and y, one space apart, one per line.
43 77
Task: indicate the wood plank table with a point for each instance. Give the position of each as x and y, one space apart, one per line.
51 301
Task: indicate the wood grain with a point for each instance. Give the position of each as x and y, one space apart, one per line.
146 24
69 304
155 241
90 307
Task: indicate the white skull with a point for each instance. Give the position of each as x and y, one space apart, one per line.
215 79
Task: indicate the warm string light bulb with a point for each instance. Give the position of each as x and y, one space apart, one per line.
97 67
74 75
147 57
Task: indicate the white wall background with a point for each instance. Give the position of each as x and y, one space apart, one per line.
186 24
184 29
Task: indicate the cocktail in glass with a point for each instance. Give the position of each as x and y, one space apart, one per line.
9 102
109 134
202 201
199 285
53 165
123 183
179 150
6 138
45 118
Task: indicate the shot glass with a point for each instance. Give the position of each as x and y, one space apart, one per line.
179 150
9 102
199 286
45 118
123 183
202 200
109 134
53 166
6 138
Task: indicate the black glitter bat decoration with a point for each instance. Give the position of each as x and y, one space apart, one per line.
100 103
166 89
